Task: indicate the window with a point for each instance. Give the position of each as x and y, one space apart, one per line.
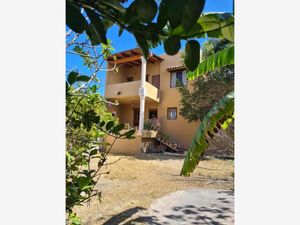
178 76
147 77
129 79
172 114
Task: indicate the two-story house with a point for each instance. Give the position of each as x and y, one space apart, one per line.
146 89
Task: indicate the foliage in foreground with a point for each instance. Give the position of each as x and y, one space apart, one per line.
87 123
219 117
176 20
208 89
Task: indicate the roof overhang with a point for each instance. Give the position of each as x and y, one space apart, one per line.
176 68
132 57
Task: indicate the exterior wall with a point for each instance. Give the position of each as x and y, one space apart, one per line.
124 146
179 130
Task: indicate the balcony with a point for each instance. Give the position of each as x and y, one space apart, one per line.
129 91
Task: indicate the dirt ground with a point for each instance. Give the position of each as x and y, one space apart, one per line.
135 182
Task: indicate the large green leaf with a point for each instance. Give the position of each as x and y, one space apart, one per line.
228 32
143 44
217 60
146 10
210 125
98 31
72 77
74 19
174 11
209 24
115 4
162 15
191 13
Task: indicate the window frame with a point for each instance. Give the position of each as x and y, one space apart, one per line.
175 71
168 115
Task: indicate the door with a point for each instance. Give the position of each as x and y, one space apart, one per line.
136 117
156 81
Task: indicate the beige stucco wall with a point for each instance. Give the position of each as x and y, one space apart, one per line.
180 130
125 146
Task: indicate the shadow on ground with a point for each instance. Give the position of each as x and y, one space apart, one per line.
117 219
214 214
160 156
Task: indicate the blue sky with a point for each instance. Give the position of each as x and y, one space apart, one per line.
127 41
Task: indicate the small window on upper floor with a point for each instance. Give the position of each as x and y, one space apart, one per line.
129 79
179 76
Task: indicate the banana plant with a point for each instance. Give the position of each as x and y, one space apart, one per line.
219 116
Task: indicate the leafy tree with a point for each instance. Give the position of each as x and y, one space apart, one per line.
87 123
220 116
209 88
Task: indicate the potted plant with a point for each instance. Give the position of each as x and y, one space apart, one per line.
151 128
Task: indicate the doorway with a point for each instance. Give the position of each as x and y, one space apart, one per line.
152 113
136 117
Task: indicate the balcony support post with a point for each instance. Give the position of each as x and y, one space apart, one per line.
142 94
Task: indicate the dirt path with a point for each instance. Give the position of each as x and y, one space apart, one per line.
135 182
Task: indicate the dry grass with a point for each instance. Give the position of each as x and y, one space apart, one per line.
137 181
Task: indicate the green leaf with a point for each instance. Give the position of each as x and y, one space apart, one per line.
93 152
83 78
74 220
192 54
107 23
146 10
174 11
217 60
96 27
130 14
118 128
162 15
224 108
109 125
191 13
209 24
74 19
172 45
72 76
83 181
142 44
102 123
128 134
228 33
115 4
120 31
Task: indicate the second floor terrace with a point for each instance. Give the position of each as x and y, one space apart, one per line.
127 83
